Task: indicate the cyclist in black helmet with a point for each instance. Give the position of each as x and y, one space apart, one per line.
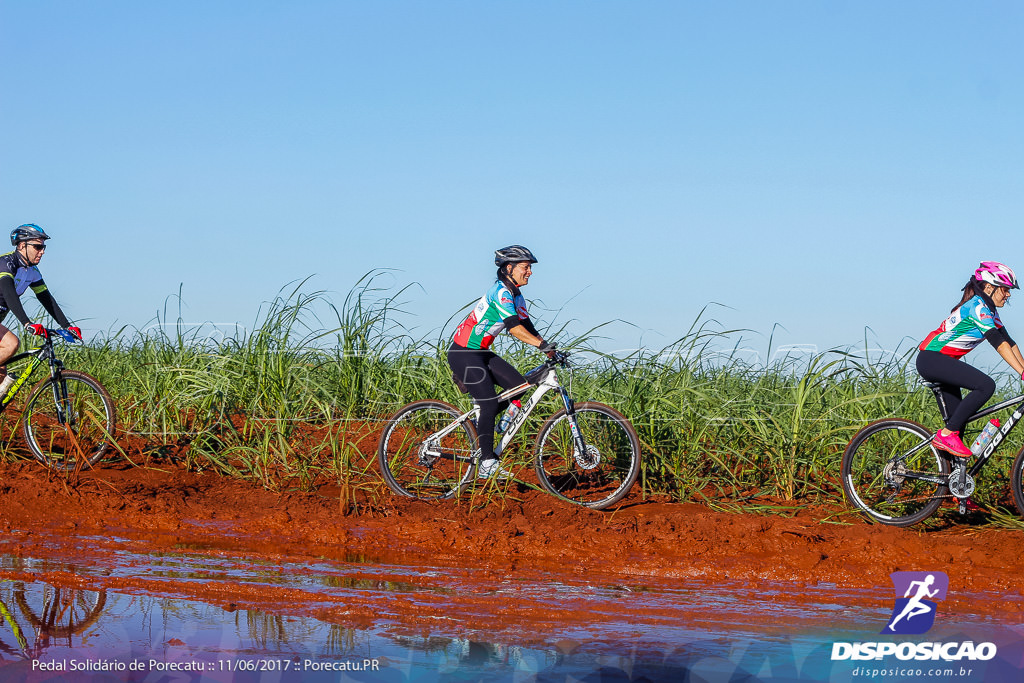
475 365
18 272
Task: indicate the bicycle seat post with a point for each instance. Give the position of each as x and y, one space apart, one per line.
937 391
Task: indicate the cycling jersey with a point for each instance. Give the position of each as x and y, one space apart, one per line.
15 278
489 316
964 329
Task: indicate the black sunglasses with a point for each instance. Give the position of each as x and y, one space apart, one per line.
37 247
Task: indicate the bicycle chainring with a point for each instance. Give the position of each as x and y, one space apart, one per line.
587 461
959 488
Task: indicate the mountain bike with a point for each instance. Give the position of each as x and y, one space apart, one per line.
893 473
586 453
68 419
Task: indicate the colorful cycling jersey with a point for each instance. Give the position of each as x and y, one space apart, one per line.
964 329
23 276
487 320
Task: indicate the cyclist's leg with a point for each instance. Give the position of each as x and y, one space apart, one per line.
505 376
8 347
471 366
953 374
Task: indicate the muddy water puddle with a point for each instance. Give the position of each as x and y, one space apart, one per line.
110 608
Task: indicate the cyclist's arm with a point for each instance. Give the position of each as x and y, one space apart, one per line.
50 304
518 329
1015 350
11 298
528 324
1013 346
1014 359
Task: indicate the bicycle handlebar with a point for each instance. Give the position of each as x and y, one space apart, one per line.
63 334
558 358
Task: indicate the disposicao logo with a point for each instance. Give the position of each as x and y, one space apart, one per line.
914 613
916 604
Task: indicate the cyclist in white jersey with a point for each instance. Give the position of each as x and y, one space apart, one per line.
973 320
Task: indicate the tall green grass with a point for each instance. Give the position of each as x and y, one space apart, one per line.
293 402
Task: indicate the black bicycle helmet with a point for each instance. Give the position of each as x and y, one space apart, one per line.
513 254
28 231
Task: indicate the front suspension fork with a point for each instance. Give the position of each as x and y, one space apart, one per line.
570 412
60 395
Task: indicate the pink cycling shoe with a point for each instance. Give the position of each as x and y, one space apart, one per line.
952 443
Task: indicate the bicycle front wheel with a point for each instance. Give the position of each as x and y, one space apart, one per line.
63 612
888 482
602 475
68 418
1017 482
425 452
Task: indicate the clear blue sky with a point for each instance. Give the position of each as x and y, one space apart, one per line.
827 166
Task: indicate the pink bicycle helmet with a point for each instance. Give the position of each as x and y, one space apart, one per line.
997 274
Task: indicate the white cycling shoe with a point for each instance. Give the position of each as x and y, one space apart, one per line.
492 469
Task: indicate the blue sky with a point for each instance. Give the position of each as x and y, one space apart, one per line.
827 167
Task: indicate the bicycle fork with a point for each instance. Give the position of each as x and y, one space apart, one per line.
570 413
65 411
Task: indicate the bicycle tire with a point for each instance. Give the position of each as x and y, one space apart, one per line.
609 470
65 612
886 496
92 424
1017 482
412 472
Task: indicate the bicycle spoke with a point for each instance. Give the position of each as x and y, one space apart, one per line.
601 475
72 428
892 474
417 462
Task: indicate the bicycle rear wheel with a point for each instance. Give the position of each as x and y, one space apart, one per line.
417 461
604 474
884 482
67 419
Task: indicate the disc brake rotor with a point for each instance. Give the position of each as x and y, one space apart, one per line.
589 460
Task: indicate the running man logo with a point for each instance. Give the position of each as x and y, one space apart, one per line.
914 612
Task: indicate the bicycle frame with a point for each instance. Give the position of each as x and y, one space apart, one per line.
38 356
982 459
549 383
1003 432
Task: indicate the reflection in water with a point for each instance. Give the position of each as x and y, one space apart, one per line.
661 633
49 614
373 584
52 623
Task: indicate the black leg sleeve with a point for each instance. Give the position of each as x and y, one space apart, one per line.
953 374
470 366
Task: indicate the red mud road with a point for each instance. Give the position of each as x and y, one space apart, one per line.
168 510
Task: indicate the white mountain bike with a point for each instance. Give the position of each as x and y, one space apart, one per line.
586 453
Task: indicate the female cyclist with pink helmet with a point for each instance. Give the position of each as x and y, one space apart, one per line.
970 322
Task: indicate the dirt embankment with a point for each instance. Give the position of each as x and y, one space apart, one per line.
169 508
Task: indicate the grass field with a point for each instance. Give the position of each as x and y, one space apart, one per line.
289 403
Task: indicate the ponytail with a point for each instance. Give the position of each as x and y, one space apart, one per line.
973 288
